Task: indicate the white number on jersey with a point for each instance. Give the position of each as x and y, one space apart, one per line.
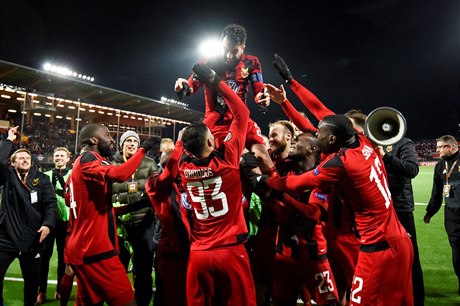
374 176
355 298
325 284
196 193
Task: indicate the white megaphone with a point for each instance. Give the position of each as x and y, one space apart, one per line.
385 126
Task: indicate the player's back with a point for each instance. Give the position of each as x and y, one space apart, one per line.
366 190
214 189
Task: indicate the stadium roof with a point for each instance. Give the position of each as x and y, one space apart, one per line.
51 84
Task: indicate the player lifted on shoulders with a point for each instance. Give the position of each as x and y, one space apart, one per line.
218 271
238 70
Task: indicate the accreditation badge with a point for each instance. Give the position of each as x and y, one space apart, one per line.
446 190
33 197
132 187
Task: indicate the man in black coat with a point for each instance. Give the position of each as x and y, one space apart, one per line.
446 188
402 166
27 214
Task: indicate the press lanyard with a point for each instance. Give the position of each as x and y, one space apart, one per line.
23 181
449 171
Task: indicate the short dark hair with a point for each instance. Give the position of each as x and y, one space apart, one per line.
235 33
358 116
194 138
89 131
340 126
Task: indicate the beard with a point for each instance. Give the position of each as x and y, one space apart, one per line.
104 149
279 148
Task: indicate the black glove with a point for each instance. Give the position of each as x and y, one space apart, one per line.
206 75
282 68
249 160
151 143
186 91
258 182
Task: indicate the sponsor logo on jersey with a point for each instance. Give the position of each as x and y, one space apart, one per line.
320 196
244 72
233 85
198 173
316 171
367 151
184 201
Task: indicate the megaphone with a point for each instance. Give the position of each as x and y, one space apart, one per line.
385 126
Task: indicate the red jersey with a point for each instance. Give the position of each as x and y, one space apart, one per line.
92 229
171 206
247 71
311 102
213 185
358 175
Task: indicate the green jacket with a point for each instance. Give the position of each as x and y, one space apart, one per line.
58 179
140 206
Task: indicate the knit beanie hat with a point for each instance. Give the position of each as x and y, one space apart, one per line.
128 134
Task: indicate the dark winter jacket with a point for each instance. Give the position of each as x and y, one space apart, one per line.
19 218
401 164
140 206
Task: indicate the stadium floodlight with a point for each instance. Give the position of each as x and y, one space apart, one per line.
66 72
211 48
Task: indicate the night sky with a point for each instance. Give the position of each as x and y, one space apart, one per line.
351 54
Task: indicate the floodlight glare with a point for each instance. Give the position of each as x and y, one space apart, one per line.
211 48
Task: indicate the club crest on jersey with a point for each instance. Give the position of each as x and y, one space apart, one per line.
389 148
228 137
35 182
367 151
184 201
244 72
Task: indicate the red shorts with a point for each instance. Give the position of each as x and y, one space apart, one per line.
291 276
220 276
105 280
342 253
384 277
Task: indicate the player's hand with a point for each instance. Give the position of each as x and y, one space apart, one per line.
179 135
278 95
426 219
205 74
249 160
257 182
182 88
13 133
263 98
44 232
151 143
282 68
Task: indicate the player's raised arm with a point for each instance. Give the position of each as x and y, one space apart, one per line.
311 102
